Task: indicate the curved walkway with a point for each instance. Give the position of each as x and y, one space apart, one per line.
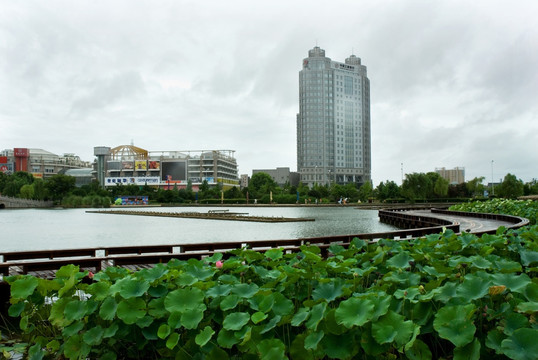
467 224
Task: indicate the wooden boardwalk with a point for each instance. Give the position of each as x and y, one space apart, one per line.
44 263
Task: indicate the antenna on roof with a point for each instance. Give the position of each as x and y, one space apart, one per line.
132 142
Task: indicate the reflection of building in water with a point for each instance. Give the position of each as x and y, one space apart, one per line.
128 164
454 176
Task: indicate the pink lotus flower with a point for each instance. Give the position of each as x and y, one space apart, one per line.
218 264
90 274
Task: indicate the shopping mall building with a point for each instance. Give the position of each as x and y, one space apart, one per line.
128 164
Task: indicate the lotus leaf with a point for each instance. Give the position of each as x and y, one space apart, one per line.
182 300
455 324
316 315
470 351
419 351
204 336
328 291
229 302
282 306
23 287
94 336
108 309
473 288
191 318
522 345
354 312
131 310
311 341
235 321
245 290
272 349
392 327
172 340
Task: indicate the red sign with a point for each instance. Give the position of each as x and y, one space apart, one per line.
3 159
20 152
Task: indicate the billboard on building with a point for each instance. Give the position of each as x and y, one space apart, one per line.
174 171
130 180
127 165
113 165
21 152
154 165
6 167
141 165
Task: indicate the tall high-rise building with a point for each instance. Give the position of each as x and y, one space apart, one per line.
333 123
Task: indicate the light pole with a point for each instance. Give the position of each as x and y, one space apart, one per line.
492 182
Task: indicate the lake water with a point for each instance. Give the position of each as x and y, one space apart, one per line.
43 229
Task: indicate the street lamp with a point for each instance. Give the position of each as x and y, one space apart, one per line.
492 182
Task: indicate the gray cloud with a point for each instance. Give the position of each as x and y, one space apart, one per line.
452 82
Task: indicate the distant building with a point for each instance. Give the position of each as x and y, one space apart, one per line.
281 175
38 162
333 123
243 181
128 164
454 176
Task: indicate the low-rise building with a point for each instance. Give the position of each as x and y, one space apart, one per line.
281 175
128 164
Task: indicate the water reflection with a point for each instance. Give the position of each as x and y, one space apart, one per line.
34 229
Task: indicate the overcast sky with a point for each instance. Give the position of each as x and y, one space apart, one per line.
453 83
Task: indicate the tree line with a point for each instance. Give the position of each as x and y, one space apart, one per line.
262 188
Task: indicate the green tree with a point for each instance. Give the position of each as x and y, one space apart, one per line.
27 192
511 187
416 186
387 190
531 188
59 186
261 184
475 186
365 191
440 187
14 183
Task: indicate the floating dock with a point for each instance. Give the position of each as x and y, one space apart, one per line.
210 215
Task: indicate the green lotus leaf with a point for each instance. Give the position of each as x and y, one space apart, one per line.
110 331
403 279
480 263
328 291
158 291
354 312
531 292
156 308
133 288
358 243
473 288
312 340
419 351
528 257
164 331
150 332
400 260
466 239
300 316
185 279
16 309
75 310
297 349
145 321
507 266
515 283
200 272
73 329
204 336
430 270
470 351
522 345
494 339
174 320
391 327
274 254
455 324
191 318
172 341
35 352
527 307
94 336
514 321
282 306
235 321
219 290
99 290
56 316
245 334
156 272
334 347
131 310
245 290
75 348
336 249
271 324
23 287
108 309
258 317
410 294
226 339
272 349
330 326
445 292
266 303
229 302
67 271
316 315
182 300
